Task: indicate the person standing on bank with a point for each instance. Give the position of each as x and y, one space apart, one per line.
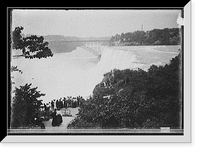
59 118
52 105
54 120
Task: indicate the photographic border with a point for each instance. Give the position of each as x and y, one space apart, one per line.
187 89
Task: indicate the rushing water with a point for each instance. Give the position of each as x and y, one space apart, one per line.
77 72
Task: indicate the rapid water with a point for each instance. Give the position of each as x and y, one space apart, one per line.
76 73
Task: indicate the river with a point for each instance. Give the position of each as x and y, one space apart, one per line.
77 72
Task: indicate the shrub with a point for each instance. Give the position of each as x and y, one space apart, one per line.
135 99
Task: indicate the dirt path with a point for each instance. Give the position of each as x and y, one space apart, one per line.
64 124
66 121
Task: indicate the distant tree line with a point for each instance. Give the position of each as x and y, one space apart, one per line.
135 99
154 37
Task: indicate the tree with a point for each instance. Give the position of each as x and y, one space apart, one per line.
164 89
17 41
25 104
31 46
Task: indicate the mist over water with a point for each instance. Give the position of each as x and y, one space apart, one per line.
74 73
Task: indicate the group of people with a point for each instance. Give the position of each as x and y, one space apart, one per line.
66 102
46 113
56 119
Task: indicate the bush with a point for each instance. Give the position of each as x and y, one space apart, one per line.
135 99
25 104
78 123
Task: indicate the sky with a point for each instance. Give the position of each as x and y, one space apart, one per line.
92 23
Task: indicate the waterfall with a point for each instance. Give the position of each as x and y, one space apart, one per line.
75 73
116 59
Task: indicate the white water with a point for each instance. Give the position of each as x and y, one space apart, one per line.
71 74
116 59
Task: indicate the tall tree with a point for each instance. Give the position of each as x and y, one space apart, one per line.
17 40
31 46
25 103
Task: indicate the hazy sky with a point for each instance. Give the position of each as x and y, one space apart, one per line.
95 23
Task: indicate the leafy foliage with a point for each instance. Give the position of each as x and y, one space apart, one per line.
15 68
25 104
135 99
32 46
17 41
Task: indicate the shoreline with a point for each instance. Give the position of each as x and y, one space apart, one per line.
146 49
